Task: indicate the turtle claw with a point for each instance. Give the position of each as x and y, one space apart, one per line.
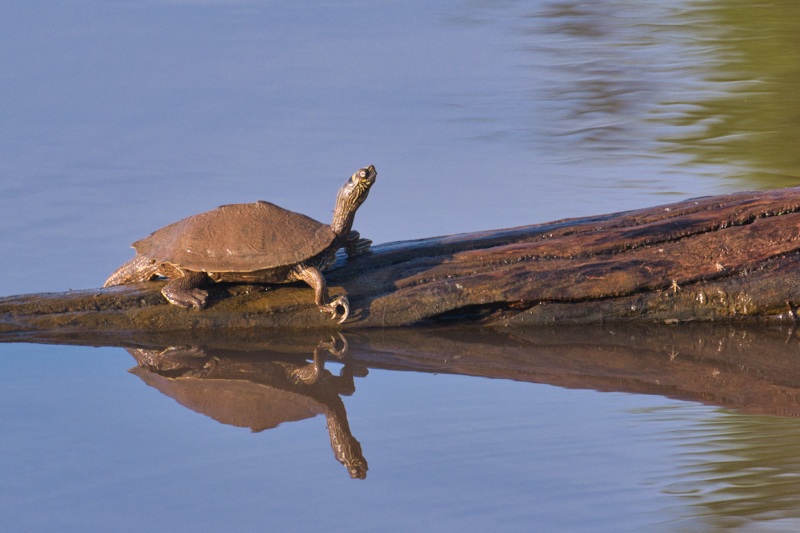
183 298
331 347
359 247
333 307
201 298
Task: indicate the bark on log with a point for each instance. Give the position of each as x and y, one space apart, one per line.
713 258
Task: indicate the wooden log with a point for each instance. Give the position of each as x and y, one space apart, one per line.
713 258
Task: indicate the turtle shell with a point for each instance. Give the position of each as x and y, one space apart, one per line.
238 238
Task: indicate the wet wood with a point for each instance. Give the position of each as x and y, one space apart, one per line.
714 258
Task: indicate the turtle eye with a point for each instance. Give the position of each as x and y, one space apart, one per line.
363 173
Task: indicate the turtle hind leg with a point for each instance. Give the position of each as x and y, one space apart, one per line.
137 270
184 291
314 277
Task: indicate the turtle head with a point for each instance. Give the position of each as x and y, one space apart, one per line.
350 197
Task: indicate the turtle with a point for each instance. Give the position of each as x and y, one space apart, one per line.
252 243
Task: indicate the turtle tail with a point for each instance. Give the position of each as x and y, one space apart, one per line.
137 270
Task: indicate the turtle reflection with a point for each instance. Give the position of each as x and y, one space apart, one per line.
259 390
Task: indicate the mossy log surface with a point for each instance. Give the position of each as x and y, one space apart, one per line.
713 258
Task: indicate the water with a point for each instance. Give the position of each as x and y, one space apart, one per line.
122 117
438 458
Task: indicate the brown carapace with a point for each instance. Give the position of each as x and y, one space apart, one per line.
255 243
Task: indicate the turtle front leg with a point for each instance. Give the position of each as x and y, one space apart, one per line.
183 291
355 245
310 373
315 279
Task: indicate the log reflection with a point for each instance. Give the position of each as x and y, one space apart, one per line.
259 378
750 368
259 389
735 468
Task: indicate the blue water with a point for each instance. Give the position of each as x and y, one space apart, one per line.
121 117
87 447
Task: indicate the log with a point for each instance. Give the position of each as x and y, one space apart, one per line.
716 258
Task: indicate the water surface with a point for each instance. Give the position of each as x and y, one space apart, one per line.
122 117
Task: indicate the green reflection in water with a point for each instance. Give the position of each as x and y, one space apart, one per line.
737 472
700 88
752 118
